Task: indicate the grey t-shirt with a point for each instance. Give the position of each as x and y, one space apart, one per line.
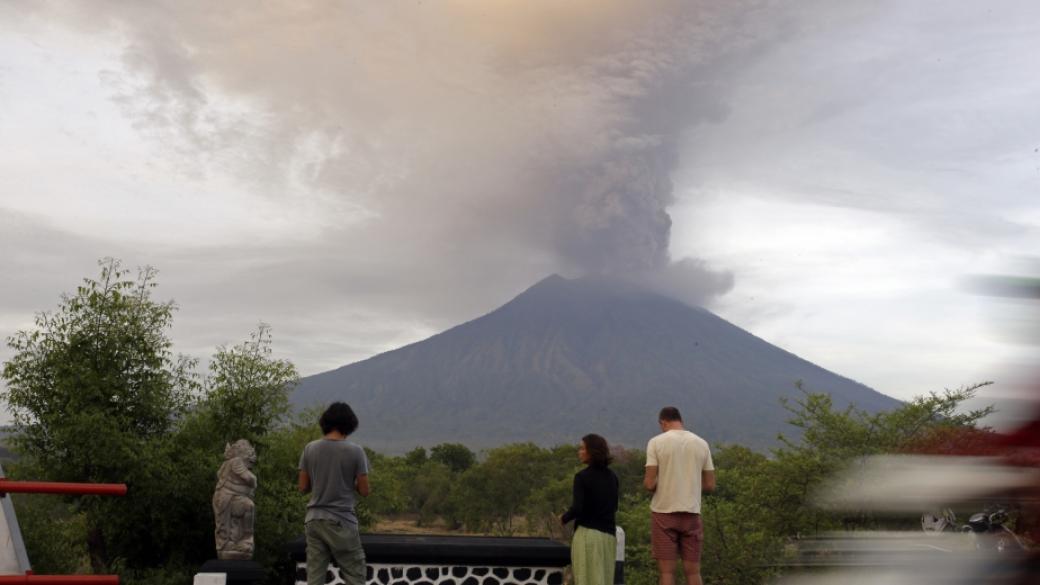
332 467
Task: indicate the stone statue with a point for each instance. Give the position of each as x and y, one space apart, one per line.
233 502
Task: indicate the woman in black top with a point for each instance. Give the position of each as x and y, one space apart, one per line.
593 506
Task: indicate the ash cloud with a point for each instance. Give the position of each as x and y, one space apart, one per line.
442 139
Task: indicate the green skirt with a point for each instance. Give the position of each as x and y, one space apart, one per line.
592 557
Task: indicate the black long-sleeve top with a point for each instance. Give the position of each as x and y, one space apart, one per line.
595 499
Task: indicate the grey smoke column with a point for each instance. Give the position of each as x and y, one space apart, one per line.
619 223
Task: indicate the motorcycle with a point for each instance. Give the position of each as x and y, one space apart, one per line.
991 531
989 528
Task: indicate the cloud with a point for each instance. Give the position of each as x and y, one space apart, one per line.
907 109
451 135
362 174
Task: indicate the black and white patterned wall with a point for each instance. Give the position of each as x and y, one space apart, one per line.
417 559
410 574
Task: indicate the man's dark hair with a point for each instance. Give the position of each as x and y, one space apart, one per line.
338 417
597 449
670 413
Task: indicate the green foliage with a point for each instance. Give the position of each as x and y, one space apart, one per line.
455 456
416 457
633 517
630 466
518 487
741 541
429 491
248 390
100 368
544 505
831 439
492 494
388 477
55 534
280 507
763 504
837 435
740 546
97 395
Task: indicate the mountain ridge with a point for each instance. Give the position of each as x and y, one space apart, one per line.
570 356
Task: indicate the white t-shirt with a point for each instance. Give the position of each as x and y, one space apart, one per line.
680 457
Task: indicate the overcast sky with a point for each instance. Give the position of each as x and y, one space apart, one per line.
361 175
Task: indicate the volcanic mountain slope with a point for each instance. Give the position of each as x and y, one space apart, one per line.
570 357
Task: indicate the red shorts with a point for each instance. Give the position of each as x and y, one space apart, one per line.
676 535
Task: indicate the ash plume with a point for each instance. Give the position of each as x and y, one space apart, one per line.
441 138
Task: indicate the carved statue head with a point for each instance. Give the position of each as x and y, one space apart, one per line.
240 448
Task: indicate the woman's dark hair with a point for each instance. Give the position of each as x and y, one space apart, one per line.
339 417
597 449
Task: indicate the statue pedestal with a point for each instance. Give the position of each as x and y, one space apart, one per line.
238 572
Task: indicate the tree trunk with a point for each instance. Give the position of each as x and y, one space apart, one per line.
96 548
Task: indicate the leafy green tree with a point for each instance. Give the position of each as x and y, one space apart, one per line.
248 389
545 505
840 434
634 517
280 507
415 458
764 504
832 438
97 395
388 477
741 544
248 397
55 534
94 385
491 494
179 473
630 467
455 456
100 366
429 489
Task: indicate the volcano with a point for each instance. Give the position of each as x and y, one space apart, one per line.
569 357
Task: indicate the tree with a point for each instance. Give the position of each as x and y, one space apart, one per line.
763 504
455 456
741 542
97 395
832 438
246 397
491 494
248 390
851 432
94 383
545 505
388 477
415 458
429 491
279 504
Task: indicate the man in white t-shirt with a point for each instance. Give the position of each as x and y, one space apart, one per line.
678 470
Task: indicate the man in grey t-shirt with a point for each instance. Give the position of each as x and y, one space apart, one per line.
334 471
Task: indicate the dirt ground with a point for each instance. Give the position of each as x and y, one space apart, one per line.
405 524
